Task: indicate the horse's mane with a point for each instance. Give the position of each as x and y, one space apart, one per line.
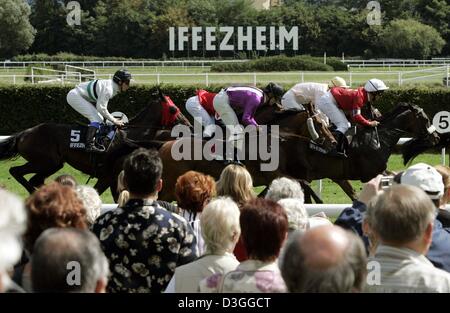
397 110
139 114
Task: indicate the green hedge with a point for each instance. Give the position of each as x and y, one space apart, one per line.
26 106
282 64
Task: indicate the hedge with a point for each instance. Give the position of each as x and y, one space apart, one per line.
281 64
26 106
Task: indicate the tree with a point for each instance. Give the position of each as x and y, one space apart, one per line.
17 34
436 13
411 39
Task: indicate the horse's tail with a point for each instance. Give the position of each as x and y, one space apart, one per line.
8 147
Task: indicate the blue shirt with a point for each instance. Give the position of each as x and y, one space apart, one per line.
439 253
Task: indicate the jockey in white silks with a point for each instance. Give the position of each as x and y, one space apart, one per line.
202 110
90 99
303 93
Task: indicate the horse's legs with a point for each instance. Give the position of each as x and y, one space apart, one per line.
19 172
309 192
347 187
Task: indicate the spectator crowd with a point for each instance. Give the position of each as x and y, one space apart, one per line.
220 237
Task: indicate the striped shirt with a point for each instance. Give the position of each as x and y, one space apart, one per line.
404 270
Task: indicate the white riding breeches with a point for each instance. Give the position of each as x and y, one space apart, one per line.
290 102
200 115
85 108
327 104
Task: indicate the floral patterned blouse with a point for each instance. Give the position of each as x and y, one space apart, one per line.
144 243
251 276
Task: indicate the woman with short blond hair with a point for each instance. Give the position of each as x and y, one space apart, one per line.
221 230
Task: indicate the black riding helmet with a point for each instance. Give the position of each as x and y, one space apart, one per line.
274 89
122 76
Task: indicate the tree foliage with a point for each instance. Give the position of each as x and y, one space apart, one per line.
16 34
411 39
139 28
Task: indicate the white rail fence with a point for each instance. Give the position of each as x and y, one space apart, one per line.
115 64
204 63
435 75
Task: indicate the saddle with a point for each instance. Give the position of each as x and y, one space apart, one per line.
104 136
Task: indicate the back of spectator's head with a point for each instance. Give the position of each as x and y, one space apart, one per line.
91 201
324 259
401 215
142 172
236 182
53 205
194 190
296 213
66 180
425 177
282 188
68 260
220 225
264 227
124 195
12 226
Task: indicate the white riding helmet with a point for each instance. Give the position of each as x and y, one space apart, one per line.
338 82
374 85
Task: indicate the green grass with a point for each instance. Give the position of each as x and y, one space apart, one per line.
331 193
167 76
11 184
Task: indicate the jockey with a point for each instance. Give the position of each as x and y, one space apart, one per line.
339 102
90 99
248 99
303 93
202 110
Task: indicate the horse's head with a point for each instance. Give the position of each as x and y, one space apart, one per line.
318 127
413 120
170 113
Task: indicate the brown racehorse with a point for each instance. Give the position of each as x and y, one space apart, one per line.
367 155
46 147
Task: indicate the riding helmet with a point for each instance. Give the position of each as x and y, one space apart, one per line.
274 89
122 76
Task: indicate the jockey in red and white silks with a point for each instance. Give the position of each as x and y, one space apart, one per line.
202 110
338 102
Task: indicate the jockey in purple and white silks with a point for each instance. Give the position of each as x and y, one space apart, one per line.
90 99
247 99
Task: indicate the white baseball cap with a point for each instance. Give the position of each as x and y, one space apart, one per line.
426 178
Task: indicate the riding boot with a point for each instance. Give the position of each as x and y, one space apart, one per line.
90 140
339 149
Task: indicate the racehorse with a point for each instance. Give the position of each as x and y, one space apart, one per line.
46 147
369 151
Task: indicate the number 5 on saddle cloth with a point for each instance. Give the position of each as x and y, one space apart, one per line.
103 138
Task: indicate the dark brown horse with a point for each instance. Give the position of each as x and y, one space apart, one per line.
369 151
46 147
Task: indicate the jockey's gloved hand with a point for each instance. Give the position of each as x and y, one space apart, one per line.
374 123
119 124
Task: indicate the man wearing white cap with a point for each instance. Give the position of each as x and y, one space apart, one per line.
303 93
420 175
